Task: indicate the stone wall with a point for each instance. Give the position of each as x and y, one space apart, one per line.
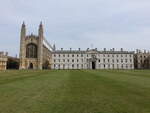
3 61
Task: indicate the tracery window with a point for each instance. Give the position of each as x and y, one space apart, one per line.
31 51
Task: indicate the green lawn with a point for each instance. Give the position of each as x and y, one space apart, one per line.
79 91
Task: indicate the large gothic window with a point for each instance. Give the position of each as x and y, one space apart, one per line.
31 51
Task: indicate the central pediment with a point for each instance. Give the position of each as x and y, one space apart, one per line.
92 51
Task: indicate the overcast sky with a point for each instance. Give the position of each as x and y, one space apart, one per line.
77 23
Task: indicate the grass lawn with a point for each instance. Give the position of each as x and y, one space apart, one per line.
78 91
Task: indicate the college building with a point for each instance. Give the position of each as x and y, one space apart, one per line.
92 59
142 59
37 53
3 61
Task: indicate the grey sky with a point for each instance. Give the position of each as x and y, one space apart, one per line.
77 23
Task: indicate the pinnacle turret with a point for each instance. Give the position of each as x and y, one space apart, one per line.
23 30
23 25
54 47
41 30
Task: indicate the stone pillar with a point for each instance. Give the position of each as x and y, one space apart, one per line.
40 47
22 47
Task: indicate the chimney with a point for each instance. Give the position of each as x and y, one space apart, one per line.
137 51
6 53
54 47
113 49
95 49
79 49
104 49
121 49
87 49
2 53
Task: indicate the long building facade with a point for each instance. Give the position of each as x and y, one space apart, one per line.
92 59
37 53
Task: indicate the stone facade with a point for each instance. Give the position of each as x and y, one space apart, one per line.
3 61
142 59
37 53
92 59
34 53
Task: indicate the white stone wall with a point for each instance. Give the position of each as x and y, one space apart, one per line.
3 62
73 61
81 60
115 61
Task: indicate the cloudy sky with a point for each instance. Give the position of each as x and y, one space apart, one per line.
77 23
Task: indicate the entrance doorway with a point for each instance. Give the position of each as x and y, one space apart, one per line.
93 65
31 66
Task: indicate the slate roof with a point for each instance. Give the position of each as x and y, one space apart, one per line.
90 52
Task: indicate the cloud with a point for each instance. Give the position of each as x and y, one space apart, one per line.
78 23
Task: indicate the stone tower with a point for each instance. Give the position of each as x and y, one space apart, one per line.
22 46
34 53
40 46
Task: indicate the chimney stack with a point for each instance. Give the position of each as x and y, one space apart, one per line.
137 51
121 49
6 53
104 49
113 49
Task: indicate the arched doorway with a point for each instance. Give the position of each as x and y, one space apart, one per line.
93 61
31 66
93 65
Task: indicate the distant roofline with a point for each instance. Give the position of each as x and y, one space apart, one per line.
94 51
